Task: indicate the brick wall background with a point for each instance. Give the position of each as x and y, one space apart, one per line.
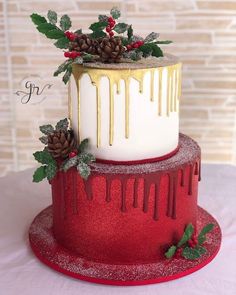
204 35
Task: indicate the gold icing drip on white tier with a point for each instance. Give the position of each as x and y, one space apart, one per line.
173 92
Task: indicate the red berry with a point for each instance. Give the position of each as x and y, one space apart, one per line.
112 24
135 45
111 34
67 54
72 154
108 29
110 19
178 253
140 42
129 47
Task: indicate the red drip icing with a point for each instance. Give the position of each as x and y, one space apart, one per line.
136 182
74 197
199 172
108 188
182 177
88 188
62 195
157 186
123 181
190 185
147 185
171 209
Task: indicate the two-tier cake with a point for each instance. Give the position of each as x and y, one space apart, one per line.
124 180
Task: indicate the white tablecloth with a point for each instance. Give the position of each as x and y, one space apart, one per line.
22 273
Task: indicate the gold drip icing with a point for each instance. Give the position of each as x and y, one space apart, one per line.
69 101
173 92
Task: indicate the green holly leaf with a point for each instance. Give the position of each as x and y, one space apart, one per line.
84 170
201 250
98 34
38 19
98 26
187 235
190 253
130 32
171 252
44 28
63 67
83 145
62 43
156 51
43 157
55 34
86 158
115 12
46 129
120 28
103 18
44 139
67 74
78 60
65 22
62 124
87 57
133 55
51 170
39 174
52 17
70 163
151 49
202 235
151 37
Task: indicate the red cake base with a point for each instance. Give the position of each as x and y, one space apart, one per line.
47 249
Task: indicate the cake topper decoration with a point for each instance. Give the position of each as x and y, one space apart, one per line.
61 152
111 41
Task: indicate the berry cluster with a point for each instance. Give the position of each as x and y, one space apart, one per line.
110 26
70 35
193 242
72 54
134 45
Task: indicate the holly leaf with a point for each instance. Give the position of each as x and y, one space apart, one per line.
120 28
44 139
44 28
133 55
98 26
67 74
65 22
83 145
39 174
156 51
86 158
151 37
130 32
191 253
70 163
55 34
98 34
115 13
187 235
62 124
63 67
62 43
43 157
201 250
52 17
78 60
87 57
103 18
151 49
202 235
171 252
84 170
51 170
38 19
46 129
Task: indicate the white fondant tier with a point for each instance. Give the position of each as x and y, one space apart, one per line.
128 112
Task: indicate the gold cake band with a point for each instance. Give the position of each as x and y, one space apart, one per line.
173 92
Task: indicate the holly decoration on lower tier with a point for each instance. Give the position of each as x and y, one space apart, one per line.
110 40
61 152
190 246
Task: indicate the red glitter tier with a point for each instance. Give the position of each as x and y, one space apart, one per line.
127 213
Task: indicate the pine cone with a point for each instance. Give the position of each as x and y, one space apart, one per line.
110 49
61 143
83 43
